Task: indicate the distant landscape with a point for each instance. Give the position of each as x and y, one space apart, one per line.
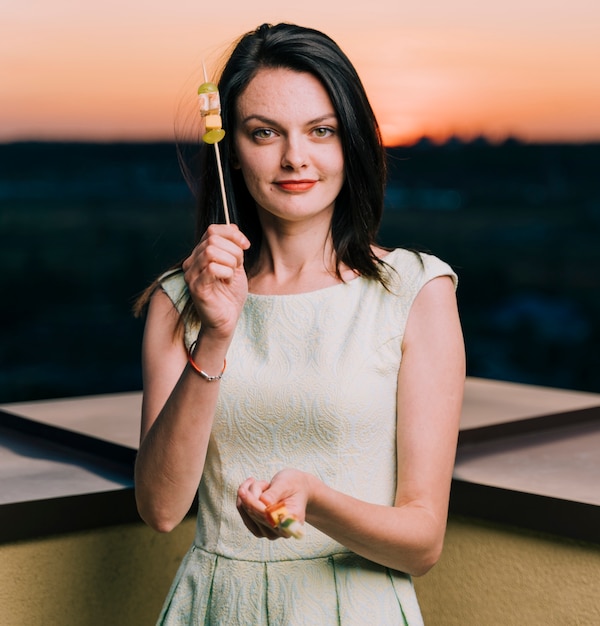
85 227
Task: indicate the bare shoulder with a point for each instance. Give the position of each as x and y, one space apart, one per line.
163 356
163 334
162 318
434 313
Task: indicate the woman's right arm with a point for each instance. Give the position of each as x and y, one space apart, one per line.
178 404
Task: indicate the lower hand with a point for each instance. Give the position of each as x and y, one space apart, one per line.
290 487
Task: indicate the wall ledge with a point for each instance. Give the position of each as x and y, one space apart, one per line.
527 457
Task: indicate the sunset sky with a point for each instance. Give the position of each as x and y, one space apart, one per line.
126 69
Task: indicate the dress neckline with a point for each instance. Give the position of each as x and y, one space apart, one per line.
320 291
300 294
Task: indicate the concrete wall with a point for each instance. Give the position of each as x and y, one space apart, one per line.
492 575
115 576
119 576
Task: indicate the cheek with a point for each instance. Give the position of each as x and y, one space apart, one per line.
251 162
244 163
251 178
334 163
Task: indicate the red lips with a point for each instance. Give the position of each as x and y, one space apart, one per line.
296 185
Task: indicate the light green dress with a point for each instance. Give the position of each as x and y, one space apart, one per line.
310 384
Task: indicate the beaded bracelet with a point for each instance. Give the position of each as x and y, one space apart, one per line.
202 373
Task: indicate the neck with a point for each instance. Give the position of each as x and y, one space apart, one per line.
294 258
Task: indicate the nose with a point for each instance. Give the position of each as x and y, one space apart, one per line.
294 154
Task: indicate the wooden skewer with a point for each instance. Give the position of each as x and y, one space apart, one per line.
222 183
219 166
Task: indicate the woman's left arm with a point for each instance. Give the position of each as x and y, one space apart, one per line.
408 536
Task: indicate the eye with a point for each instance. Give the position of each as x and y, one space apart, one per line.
323 131
263 133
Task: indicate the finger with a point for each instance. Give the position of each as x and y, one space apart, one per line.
227 233
208 268
257 528
252 508
219 236
250 524
249 493
217 251
214 247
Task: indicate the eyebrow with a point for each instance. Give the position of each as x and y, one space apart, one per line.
271 122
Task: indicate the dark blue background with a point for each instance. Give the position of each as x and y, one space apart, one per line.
85 227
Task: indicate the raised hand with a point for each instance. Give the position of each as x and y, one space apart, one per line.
215 275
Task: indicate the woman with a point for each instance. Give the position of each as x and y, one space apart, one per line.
292 360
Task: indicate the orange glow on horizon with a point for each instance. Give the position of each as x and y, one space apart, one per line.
96 77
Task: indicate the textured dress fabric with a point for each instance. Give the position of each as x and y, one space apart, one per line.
311 384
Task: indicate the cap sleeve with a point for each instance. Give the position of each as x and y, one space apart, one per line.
174 285
412 270
434 268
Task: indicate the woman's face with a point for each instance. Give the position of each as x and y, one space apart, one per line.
288 147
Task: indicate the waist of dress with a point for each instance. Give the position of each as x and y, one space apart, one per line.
265 551
271 555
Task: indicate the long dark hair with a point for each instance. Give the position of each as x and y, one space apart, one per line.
359 206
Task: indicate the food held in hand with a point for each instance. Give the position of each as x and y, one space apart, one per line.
210 109
287 523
